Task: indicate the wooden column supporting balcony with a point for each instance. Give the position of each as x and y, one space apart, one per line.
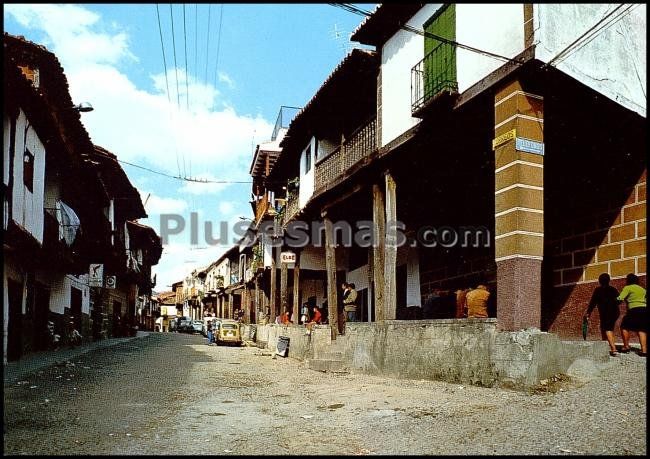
330 263
379 231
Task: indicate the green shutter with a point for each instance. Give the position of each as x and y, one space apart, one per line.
440 65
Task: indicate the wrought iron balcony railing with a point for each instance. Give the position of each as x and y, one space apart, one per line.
433 75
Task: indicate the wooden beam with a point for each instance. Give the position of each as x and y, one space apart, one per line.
284 275
231 300
273 293
257 303
371 288
379 242
390 261
342 197
296 288
330 263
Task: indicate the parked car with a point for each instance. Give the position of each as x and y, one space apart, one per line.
197 326
184 325
229 332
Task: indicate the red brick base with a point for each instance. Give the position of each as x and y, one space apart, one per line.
574 300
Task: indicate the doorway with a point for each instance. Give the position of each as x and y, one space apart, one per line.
14 327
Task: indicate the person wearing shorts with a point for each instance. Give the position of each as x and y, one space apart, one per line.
636 318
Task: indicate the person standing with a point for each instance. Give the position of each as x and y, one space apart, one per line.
477 301
636 318
605 298
350 304
209 333
340 308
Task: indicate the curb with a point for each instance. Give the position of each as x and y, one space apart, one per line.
15 371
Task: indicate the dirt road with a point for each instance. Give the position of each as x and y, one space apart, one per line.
172 394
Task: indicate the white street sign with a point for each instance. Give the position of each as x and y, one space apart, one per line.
287 257
110 281
96 275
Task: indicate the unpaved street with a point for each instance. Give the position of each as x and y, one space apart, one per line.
172 394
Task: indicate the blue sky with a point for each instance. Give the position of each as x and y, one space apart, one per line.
269 55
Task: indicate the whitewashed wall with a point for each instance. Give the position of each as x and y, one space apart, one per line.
306 189
398 56
223 269
60 293
359 277
498 28
27 206
613 63
325 147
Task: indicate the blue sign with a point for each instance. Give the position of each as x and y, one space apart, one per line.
529 146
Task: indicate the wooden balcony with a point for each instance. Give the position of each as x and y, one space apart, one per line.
359 145
291 209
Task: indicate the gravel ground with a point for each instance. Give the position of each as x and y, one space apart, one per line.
172 394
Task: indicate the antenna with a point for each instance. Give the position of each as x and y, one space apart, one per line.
340 36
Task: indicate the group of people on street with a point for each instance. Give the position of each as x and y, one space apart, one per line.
607 299
461 303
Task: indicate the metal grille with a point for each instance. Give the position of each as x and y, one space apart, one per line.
433 74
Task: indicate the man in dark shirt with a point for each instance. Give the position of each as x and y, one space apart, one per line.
605 298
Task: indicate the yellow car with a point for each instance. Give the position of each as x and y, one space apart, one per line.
229 331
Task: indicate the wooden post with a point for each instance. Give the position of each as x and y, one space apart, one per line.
379 243
330 263
371 289
231 301
284 281
273 295
246 304
296 288
258 304
390 262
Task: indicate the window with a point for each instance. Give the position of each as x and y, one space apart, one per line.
440 60
28 170
242 266
308 159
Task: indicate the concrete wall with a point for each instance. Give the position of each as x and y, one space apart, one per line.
498 28
524 358
613 63
467 351
450 350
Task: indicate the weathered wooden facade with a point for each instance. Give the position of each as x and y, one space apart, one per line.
60 211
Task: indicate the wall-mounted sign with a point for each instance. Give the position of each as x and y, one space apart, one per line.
287 257
96 275
110 281
503 138
529 146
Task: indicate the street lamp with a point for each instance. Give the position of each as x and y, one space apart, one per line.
83 107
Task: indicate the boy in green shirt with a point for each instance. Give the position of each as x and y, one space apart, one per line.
636 318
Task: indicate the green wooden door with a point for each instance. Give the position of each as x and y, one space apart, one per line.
440 57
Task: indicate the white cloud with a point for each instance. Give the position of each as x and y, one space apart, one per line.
226 207
155 205
217 142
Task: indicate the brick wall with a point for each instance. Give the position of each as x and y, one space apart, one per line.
610 240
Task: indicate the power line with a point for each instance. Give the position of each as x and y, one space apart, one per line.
353 9
218 45
185 179
162 46
196 40
171 14
591 33
207 47
187 88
